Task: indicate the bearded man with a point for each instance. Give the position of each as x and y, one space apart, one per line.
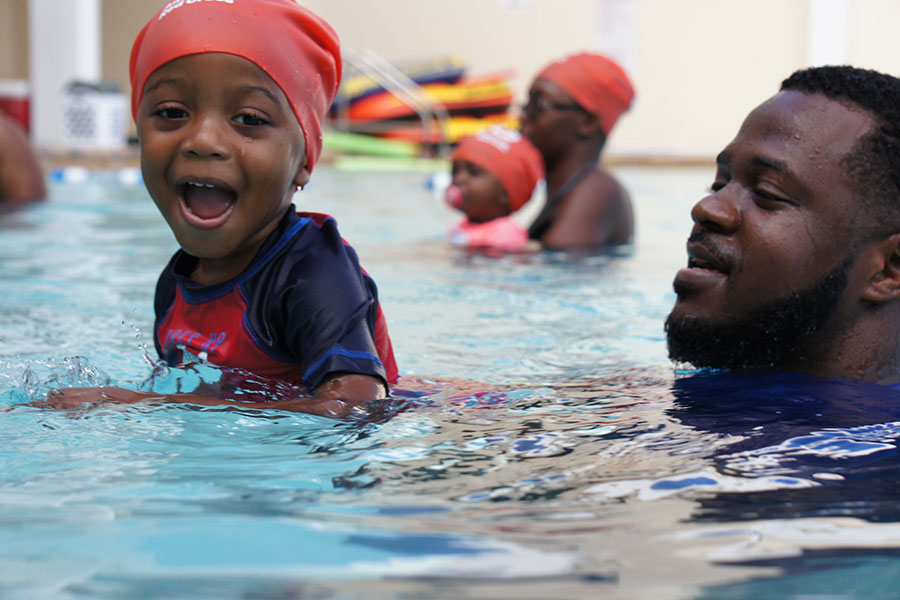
794 257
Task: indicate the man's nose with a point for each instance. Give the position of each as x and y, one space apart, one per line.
718 212
206 138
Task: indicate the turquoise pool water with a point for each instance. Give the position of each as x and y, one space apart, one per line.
556 453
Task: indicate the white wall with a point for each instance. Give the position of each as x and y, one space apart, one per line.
64 45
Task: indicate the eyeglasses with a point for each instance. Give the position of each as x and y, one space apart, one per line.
540 105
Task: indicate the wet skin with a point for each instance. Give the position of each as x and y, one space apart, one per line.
220 121
781 213
21 174
484 198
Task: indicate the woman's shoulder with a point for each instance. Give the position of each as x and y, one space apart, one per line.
599 189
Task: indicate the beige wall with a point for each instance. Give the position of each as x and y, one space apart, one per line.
13 39
874 41
122 20
701 66
698 65
491 37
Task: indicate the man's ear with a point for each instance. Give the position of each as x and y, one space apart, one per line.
884 285
302 176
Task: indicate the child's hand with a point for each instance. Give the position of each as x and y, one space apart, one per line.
79 397
346 395
331 408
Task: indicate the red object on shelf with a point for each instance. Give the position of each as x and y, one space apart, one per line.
15 102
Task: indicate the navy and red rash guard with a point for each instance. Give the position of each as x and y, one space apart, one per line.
303 309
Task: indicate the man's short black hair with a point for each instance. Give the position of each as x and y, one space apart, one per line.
874 163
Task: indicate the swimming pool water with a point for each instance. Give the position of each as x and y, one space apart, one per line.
549 449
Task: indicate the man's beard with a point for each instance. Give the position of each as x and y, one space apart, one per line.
763 338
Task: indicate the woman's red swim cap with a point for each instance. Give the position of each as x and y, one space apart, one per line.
595 82
297 49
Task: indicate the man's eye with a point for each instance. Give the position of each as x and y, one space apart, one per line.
716 186
250 119
769 196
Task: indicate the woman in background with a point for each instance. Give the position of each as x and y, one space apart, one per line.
571 109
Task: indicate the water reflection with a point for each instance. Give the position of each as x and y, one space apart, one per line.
836 439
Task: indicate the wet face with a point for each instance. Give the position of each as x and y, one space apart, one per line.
221 155
774 245
551 118
483 196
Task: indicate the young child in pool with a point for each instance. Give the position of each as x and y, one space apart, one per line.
494 175
229 97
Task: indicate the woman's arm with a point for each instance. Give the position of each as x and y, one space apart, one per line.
21 176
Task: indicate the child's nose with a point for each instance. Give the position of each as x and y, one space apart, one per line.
205 138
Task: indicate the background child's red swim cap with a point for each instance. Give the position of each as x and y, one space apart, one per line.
510 157
297 49
595 82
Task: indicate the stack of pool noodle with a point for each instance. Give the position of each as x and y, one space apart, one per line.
373 128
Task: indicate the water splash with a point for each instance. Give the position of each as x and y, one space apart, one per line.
35 379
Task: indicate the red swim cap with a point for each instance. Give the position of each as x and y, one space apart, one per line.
297 49
510 157
595 82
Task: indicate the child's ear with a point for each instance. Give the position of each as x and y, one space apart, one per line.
504 200
302 176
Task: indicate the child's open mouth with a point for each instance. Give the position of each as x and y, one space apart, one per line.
205 204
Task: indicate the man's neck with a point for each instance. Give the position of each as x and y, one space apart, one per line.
869 350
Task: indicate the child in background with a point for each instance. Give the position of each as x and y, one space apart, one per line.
229 98
494 175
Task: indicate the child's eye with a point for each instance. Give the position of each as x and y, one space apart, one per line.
171 113
252 119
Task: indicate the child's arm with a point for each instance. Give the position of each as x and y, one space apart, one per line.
341 395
